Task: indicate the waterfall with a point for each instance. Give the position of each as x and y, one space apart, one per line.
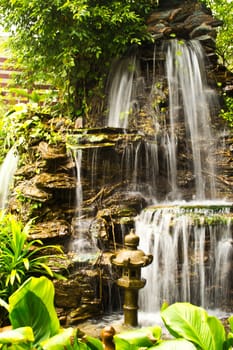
223 266
7 171
193 251
83 245
140 166
189 98
121 97
189 105
79 190
191 242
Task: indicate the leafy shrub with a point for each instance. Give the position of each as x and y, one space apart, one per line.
227 113
19 258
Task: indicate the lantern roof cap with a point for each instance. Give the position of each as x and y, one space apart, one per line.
130 256
131 240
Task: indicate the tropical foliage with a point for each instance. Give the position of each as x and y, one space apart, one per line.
190 326
227 113
35 325
20 258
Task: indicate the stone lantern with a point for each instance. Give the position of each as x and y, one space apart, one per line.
131 260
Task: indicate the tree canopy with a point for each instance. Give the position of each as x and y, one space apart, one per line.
71 43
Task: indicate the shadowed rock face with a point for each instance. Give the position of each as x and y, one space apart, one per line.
185 20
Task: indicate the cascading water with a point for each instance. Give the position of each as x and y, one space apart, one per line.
79 191
82 245
121 93
189 99
7 171
191 242
185 239
139 166
187 243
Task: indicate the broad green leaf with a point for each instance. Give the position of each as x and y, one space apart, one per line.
217 330
178 344
230 320
228 344
15 336
184 320
60 340
32 305
122 344
94 343
143 337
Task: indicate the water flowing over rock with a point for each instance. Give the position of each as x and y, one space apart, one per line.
161 146
195 269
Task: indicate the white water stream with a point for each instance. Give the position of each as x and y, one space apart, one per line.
7 171
193 250
189 99
83 246
121 93
192 244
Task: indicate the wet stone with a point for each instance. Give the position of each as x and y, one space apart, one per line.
29 190
52 229
55 181
52 152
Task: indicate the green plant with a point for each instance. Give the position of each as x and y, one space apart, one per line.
194 325
227 113
191 327
135 339
223 10
71 44
19 258
25 125
35 324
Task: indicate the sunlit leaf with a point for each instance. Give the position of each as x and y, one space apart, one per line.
178 344
32 305
26 263
184 320
15 336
